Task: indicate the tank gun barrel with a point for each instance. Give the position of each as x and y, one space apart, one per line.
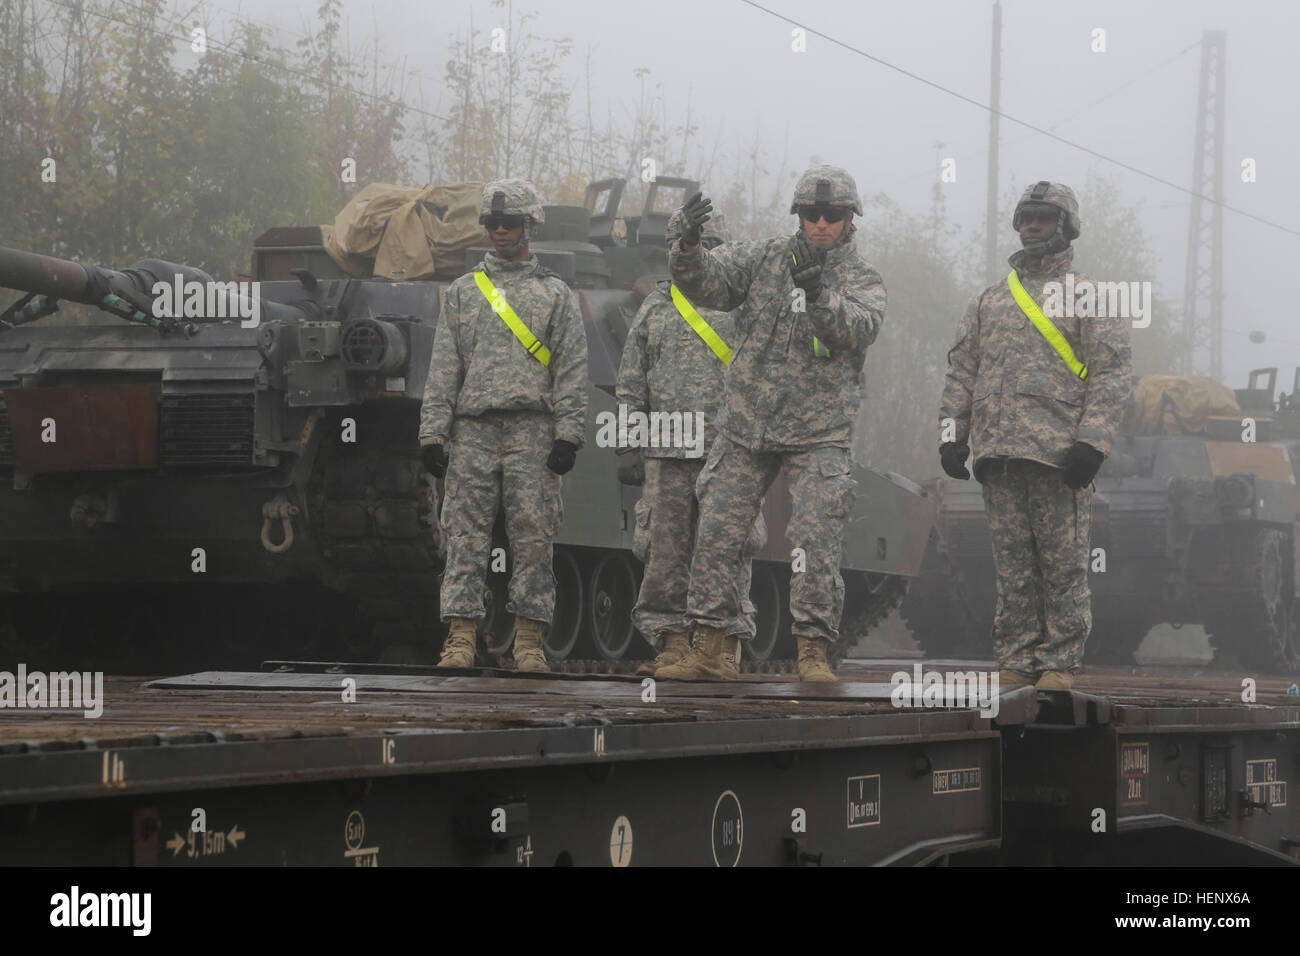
151 292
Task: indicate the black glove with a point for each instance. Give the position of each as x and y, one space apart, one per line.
563 455
435 460
953 455
631 469
806 267
1081 464
695 214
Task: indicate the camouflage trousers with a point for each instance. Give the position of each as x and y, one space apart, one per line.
730 490
1040 530
498 460
667 516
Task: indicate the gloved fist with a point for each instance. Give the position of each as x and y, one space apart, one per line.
434 459
631 469
1081 464
695 214
563 455
953 455
806 267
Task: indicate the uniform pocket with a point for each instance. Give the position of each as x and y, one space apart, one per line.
839 485
1050 408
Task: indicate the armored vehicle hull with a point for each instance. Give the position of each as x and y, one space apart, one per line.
282 458
1186 530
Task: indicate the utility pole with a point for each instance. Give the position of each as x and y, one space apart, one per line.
1203 289
991 268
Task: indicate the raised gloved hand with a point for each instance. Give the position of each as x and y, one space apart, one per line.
953 455
695 214
1081 464
806 267
434 459
631 469
563 455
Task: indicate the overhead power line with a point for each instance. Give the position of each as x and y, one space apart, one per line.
1019 122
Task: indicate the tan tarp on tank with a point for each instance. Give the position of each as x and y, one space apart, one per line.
406 233
1180 404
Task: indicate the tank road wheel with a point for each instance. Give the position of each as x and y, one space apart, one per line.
562 636
766 595
497 629
610 601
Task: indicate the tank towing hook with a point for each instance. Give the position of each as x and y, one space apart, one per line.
278 507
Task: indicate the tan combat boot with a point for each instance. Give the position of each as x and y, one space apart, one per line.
714 656
1055 680
458 648
675 647
529 655
812 660
1009 680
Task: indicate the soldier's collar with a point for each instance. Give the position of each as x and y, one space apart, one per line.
1054 264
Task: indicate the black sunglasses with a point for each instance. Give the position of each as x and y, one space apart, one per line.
831 214
507 222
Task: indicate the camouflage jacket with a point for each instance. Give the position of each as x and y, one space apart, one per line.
779 395
1011 394
480 366
667 367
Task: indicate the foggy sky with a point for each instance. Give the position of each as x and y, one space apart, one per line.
736 65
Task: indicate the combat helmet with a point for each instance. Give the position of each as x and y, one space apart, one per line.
826 186
512 197
1056 196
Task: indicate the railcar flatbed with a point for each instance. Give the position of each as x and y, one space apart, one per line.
316 764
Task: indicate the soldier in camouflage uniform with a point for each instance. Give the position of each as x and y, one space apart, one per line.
668 366
1041 417
508 390
806 309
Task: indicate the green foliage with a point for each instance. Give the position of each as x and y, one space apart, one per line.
164 152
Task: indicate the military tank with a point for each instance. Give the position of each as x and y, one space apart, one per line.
1187 529
162 473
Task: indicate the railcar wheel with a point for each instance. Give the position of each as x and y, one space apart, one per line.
497 629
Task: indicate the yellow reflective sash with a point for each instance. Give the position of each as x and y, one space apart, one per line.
820 350
702 328
1045 326
501 307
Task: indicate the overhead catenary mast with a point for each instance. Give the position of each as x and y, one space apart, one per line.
1203 289
995 95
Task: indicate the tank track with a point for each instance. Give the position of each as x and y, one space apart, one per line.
874 608
1257 635
372 510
